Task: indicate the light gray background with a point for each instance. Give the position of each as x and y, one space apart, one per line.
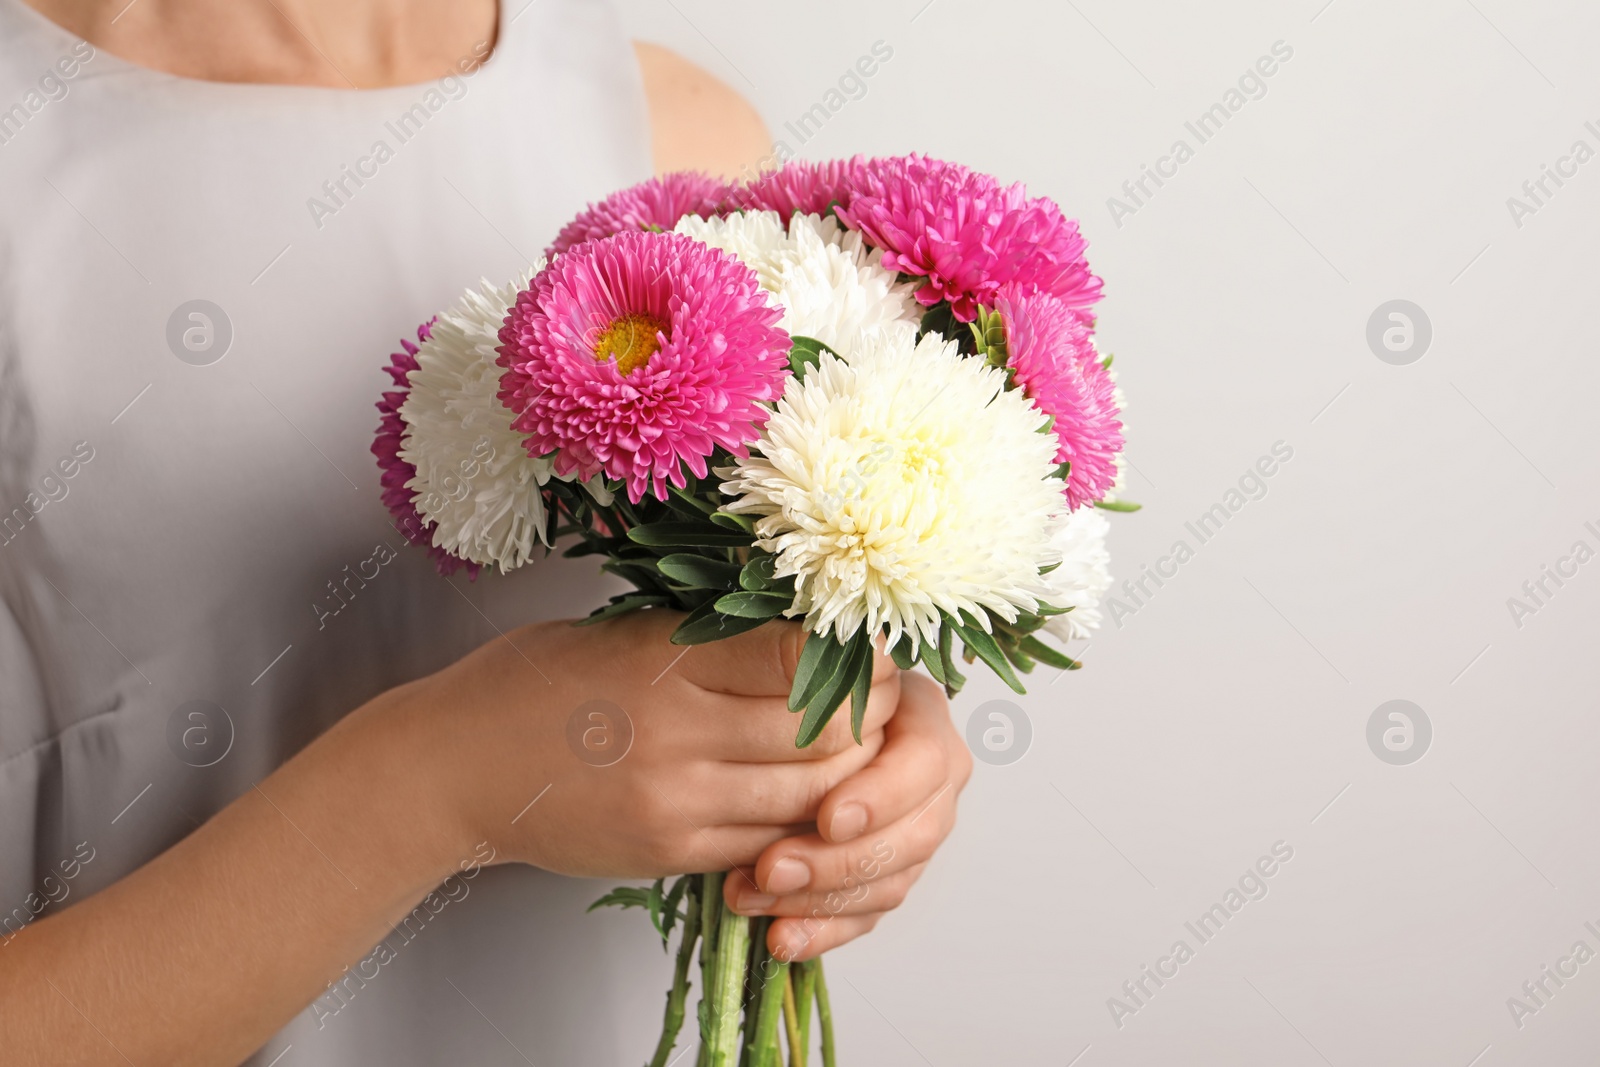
1230 711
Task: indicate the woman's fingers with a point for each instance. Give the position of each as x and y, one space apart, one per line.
922 755
804 939
807 864
720 794
764 731
864 897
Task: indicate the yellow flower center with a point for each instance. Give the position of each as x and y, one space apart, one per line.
631 341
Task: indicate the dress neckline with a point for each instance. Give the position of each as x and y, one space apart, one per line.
128 68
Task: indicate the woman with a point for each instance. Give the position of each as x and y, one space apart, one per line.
217 214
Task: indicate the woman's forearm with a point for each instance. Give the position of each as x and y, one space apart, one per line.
250 916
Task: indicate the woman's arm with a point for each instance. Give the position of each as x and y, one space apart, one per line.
254 913
250 915
696 121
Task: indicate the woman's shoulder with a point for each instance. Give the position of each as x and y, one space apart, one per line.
698 122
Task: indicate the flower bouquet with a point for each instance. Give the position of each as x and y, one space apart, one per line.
863 394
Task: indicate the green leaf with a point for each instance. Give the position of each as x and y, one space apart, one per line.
686 535
827 700
757 574
904 658
748 605
1117 505
1047 655
819 658
806 353
628 568
624 896
933 660
952 677
706 624
947 657
699 572
743 523
670 913
653 902
1025 624
989 651
1018 659
859 693
621 606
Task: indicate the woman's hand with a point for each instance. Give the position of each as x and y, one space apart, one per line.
710 779
878 829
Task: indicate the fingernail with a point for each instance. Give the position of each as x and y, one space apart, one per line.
788 875
849 820
753 902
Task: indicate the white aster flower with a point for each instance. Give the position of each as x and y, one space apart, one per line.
474 478
902 483
830 285
1083 577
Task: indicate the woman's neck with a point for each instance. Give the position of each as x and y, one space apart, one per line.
345 44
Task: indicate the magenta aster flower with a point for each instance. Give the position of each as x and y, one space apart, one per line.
654 205
396 471
637 355
1053 357
967 235
800 188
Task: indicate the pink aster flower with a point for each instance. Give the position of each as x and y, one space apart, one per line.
653 205
638 355
801 187
396 471
1055 363
966 235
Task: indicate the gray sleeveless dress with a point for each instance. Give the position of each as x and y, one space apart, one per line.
199 286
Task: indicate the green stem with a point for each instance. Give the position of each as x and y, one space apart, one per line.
673 1020
749 1057
710 912
791 1019
824 1016
768 1007
727 990
805 997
